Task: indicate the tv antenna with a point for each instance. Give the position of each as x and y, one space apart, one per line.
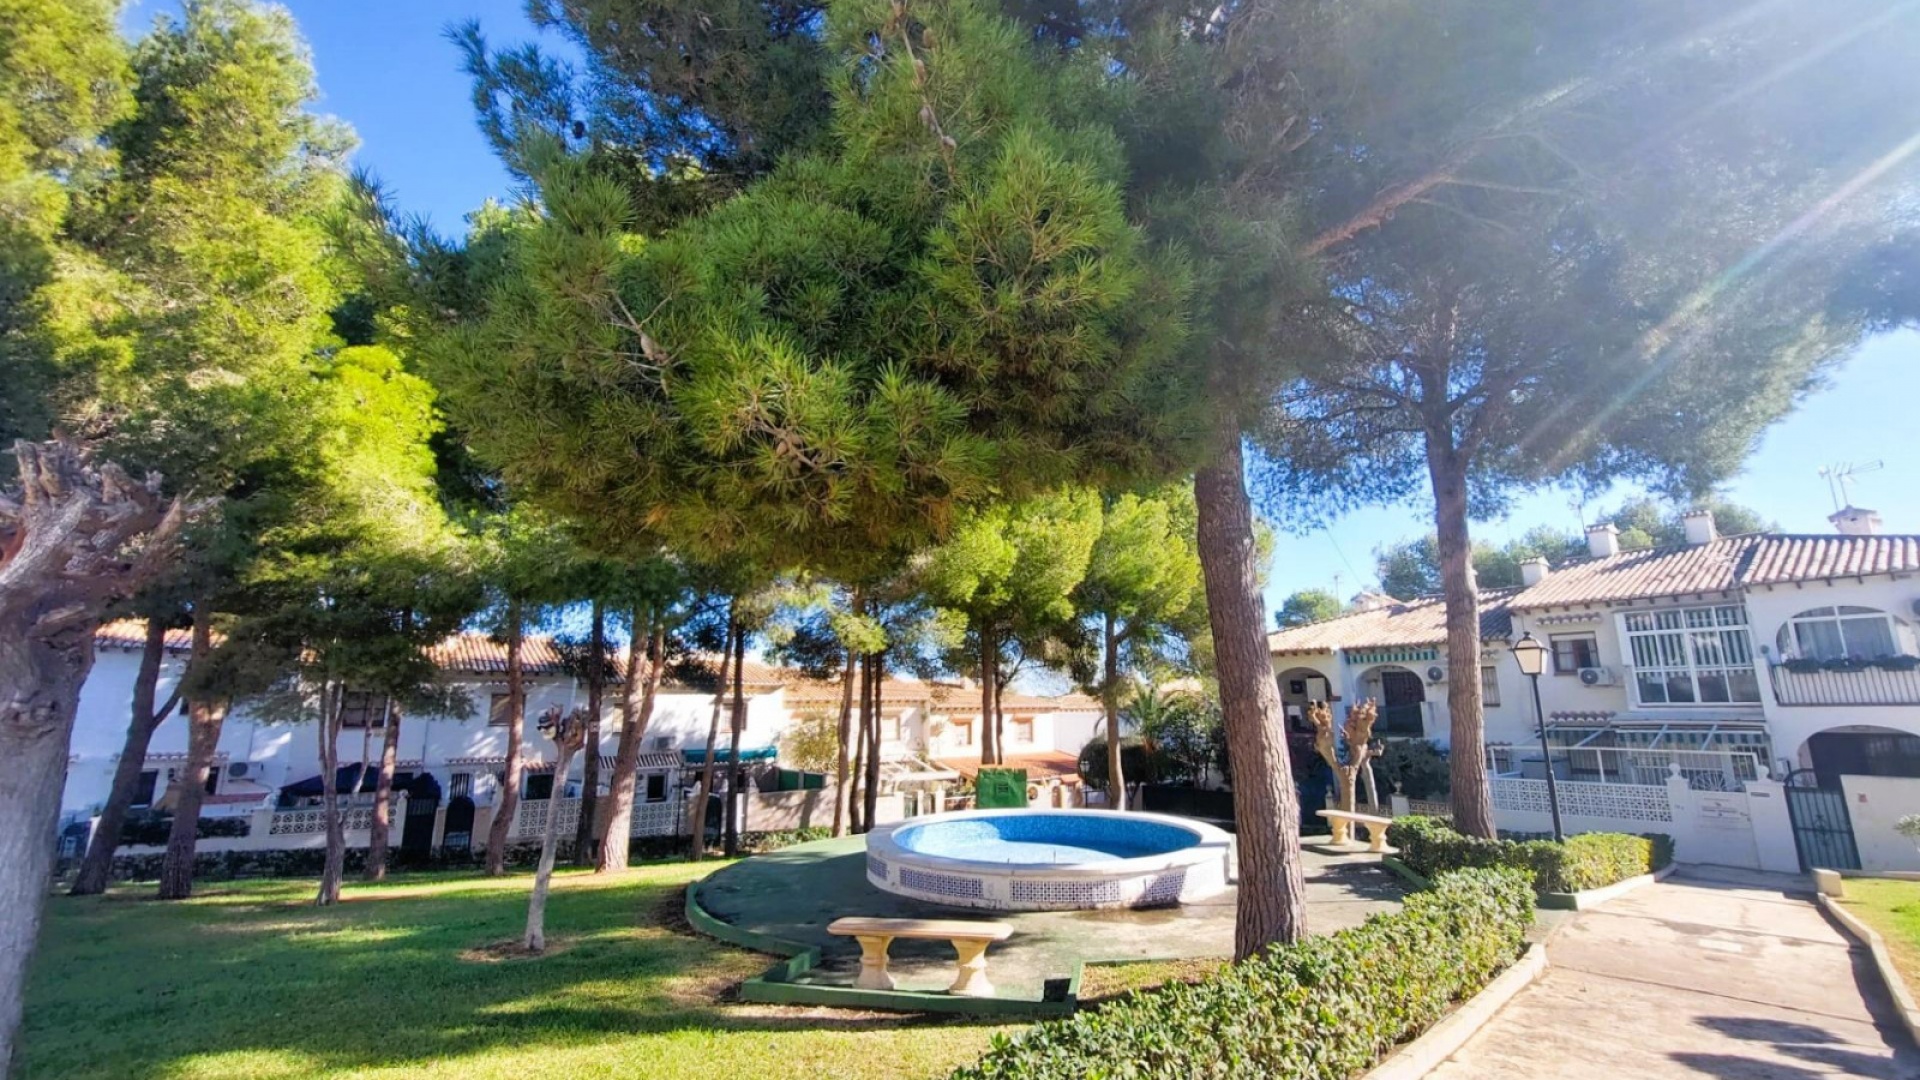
1839 480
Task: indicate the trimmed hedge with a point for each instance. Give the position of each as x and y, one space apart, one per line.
1326 1007
151 828
1430 847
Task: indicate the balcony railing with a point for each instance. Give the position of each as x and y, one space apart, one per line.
1402 720
1868 686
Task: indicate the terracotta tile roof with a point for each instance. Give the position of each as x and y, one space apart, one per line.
1638 575
1048 764
1403 622
1722 565
478 654
1778 559
132 634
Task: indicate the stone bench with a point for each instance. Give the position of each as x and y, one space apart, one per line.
1343 823
970 941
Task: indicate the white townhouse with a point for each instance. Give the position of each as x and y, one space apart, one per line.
1730 661
452 768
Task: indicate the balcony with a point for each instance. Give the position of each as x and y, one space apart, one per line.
1795 684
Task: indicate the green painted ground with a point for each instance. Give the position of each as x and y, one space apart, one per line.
250 982
1893 909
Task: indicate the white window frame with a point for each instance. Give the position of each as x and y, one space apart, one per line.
1690 642
1839 615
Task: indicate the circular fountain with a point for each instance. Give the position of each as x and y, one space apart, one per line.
1050 860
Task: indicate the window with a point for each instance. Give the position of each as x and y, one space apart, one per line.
1689 656
460 786
963 731
1571 652
497 715
1490 686
662 743
895 728
1023 729
537 785
656 787
1839 633
143 789
360 709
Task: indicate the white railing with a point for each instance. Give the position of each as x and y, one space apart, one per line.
1704 770
530 818
305 822
1648 803
659 818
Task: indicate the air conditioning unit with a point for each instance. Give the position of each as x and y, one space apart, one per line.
1436 673
1597 676
240 770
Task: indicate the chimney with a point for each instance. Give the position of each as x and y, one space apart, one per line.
1700 527
1854 521
1535 570
1603 541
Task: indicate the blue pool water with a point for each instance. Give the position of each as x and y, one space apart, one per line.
1044 838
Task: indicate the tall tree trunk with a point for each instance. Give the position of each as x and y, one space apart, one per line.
1472 795
736 728
96 870
1272 899
842 752
636 712
872 793
332 700
66 539
1110 701
376 869
500 829
698 812
989 679
536 936
858 804
586 848
205 718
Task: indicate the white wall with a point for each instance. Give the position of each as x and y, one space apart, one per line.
1768 610
1875 803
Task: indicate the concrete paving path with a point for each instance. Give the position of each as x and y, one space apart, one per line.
1711 973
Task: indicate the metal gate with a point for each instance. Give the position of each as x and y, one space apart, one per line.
416 833
1822 828
458 835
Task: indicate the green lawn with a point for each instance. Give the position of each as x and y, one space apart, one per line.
1893 909
405 979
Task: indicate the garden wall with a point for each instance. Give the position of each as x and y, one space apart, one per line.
1875 803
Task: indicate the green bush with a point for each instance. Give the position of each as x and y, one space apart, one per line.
150 827
1415 768
1430 847
1324 1007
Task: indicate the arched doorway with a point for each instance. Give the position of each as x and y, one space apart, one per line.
1299 688
1402 694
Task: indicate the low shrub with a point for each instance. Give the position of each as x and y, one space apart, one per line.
1430 847
151 827
1323 1007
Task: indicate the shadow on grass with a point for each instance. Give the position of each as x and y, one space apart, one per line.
137 989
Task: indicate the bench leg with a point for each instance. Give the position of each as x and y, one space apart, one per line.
1339 828
972 980
873 963
1376 838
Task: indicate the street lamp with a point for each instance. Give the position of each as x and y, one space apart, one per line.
1531 655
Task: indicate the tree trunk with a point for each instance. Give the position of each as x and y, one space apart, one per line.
508 804
871 795
586 848
1110 701
536 937
737 726
698 812
383 796
989 670
205 718
40 681
1272 898
334 867
96 870
842 792
1472 796
65 553
636 712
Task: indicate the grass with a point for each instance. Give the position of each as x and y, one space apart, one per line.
1893 909
417 978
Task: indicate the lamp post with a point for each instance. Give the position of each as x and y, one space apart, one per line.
1531 655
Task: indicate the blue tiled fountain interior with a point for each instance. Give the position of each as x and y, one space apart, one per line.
1044 838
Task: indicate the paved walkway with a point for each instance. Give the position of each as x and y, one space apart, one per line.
1715 973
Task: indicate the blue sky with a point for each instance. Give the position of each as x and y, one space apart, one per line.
385 68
